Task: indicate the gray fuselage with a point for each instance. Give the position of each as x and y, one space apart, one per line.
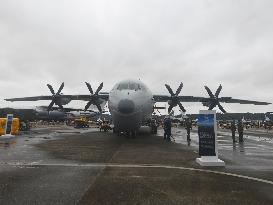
130 104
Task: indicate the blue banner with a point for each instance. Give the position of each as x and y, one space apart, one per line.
206 135
9 124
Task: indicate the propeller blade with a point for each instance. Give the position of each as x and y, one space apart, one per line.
218 91
50 105
99 107
181 107
60 89
89 88
170 108
51 89
179 89
209 92
99 89
221 108
87 106
169 89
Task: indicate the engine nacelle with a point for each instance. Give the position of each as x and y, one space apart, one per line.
206 104
64 101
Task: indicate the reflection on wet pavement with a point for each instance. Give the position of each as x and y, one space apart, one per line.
254 153
7 143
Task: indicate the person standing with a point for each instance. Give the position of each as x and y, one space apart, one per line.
240 131
167 128
188 128
233 130
154 126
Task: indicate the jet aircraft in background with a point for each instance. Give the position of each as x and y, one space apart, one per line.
131 103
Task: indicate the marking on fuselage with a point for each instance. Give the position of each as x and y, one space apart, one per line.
104 165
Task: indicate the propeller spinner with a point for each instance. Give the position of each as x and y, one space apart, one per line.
214 99
55 96
174 99
94 97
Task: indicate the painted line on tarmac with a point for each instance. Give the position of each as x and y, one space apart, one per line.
104 165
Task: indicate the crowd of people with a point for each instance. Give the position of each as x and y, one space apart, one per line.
188 124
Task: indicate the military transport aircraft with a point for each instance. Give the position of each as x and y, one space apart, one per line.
131 103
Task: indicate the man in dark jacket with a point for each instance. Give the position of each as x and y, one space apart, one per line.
233 130
188 128
240 130
167 128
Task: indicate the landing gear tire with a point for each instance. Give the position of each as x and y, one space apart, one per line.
127 134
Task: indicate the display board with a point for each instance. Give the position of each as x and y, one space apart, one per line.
208 146
206 133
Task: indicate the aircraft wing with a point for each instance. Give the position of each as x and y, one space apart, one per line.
35 98
232 100
65 109
165 98
103 96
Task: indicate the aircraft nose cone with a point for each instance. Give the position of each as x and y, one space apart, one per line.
126 106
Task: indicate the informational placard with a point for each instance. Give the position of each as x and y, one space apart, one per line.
206 133
9 124
208 146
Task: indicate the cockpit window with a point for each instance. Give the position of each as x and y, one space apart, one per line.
134 86
129 86
123 86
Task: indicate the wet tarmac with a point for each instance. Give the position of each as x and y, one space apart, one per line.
254 156
63 165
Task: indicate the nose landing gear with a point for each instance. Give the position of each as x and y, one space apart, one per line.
131 134
128 133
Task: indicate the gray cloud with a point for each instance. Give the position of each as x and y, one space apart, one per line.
197 42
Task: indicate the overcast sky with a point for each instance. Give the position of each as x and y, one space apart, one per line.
201 42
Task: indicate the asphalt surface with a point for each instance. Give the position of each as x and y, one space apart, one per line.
62 165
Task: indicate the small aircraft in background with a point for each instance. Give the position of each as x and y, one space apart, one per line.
41 113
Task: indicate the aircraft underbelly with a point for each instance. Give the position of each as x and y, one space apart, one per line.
127 122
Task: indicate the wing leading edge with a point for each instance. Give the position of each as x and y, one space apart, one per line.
165 98
103 96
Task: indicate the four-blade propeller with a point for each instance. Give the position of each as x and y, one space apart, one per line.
174 99
55 97
214 99
94 97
